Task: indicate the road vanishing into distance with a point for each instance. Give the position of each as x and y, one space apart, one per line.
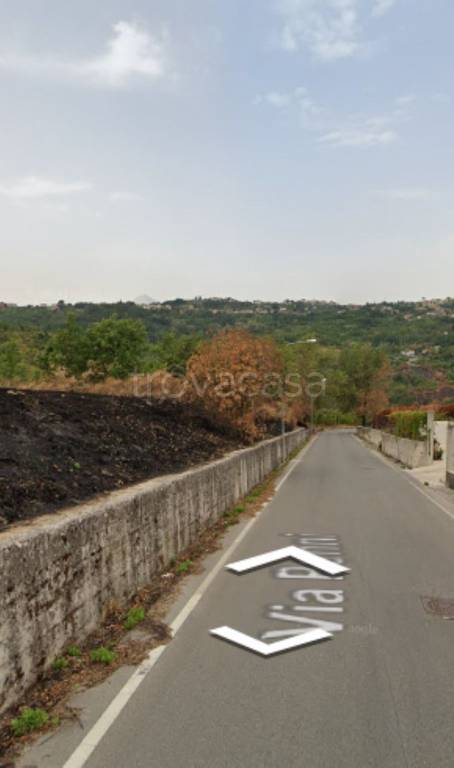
378 694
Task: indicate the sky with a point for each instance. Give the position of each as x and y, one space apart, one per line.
260 149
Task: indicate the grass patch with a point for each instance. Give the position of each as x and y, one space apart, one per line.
231 517
59 664
103 655
29 720
183 567
134 617
255 493
74 651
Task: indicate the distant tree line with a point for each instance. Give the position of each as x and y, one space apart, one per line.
239 378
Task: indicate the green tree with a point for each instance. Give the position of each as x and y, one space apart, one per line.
365 382
172 352
68 349
116 348
11 366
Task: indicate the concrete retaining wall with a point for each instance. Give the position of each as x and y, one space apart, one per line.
59 574
372 436
411 453
450 456
441 435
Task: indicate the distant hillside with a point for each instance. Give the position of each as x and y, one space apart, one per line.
419 336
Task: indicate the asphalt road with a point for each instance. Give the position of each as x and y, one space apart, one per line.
379 694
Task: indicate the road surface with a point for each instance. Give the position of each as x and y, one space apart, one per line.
379 694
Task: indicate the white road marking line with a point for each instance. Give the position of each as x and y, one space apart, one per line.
95 735
270 649
292 553
294 463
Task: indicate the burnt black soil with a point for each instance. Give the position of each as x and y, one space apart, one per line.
60 448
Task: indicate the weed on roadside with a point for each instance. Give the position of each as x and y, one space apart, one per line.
29 720
183 567
74 651
134 617
59 664
103 655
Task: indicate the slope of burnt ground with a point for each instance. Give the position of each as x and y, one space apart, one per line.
60 448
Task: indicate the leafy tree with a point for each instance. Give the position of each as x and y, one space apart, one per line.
233 376
366 380
172 352
11 366
113 347
116 348
68 349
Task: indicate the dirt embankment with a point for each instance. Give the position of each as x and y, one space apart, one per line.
60 448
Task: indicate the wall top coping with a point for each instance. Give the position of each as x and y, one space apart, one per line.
57 522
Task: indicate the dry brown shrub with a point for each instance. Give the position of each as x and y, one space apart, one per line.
233 376
61 383
139 385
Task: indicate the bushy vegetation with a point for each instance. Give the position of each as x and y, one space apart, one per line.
360 352
330 417
406 423
29 720
357 380
74 651
233 375
60 664
112 347
242 381
103 655
135 616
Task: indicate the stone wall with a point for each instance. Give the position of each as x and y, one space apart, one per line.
410 453
59 573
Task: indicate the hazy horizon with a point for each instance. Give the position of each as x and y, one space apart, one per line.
234 298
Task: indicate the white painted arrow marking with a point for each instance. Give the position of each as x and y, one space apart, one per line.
295 553
270 649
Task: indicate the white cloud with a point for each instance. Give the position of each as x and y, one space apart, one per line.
382 6
298 98
362 130
35 187
351 130
358 137
130 52
406 194
329 29
358 130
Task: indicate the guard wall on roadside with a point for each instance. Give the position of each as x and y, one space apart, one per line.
441 435
410 453
59 573
450 456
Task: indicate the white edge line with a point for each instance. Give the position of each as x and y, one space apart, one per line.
412 481
95 735
295 462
